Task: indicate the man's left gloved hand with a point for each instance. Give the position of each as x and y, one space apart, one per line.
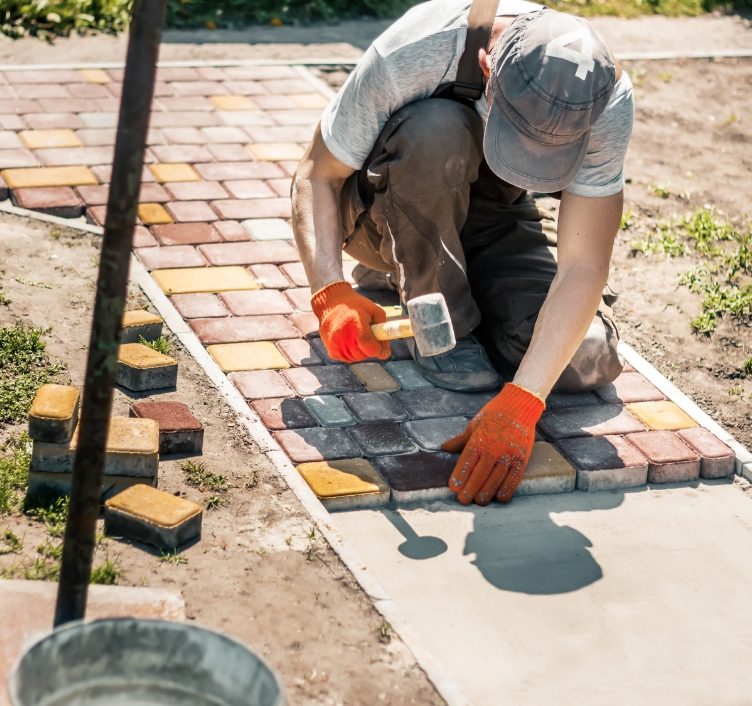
495 446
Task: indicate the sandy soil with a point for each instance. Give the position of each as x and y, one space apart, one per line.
301 609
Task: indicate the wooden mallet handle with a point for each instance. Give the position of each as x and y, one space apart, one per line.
391 330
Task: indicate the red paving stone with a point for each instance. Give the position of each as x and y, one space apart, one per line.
73 105
198 306
196 103
179 430
190 211
176 154
187 119
103 172
306 323
628 388
229 152
199 88
254 73
596 420
261 384
88 90
300 298
142 238
716 459
239 329
10 159
288 166
233 171
670 459
253 208
14 122
195 191
93 195
270 102
50 121
244 118
282 187
249 253
20 107
244 88
96 215
287 86
224 135
249 189
280 134
211 73
295 117
282 413
322 380
269 276
295 272
305 445
170 74
163 258
299 352
46 76
55 200
153 193
71 156
256 303
186 234
184 136
40 90
232 231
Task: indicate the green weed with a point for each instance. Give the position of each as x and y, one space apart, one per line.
161 345
50 508
626 219
106 574
28 283
663 191
748 367
214 502
666 76
10 542
14 473
4 301
174 557
196 475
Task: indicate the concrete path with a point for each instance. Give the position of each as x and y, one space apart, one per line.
601 598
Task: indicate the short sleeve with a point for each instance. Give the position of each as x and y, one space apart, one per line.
602 172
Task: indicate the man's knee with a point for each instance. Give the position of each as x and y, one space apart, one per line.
596 362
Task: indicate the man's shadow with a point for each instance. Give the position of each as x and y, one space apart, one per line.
518 547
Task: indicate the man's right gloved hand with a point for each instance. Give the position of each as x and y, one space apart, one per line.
345 320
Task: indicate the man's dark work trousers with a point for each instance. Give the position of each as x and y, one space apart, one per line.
426 206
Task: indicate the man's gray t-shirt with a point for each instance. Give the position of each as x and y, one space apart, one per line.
420 52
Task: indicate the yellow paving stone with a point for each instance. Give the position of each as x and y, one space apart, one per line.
232 103
276 151
347 483
547 471
309 101
260 355
54 413
142 368
168 173
374 377
41 139
190 280
95 76
153 214
48 176
661 415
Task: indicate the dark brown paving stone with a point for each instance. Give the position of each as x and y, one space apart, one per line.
417 472
670 459
369 407
283 413
716 459
186 234
238 329
628 388
322 380
320 444
430 434
596 420
430 404
179 430
382 439
59 201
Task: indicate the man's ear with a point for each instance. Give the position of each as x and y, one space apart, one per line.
484 59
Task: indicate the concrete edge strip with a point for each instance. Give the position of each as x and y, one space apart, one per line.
743 455
8 207
320 86
445 685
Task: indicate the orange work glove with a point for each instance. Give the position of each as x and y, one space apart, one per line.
497 445
345 320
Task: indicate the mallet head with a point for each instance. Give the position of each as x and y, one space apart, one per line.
432 327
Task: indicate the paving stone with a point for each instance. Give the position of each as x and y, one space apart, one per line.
51 121
40 139
260 384
269 102
44 76
231 231
4 191
235 357
547 472
142 368
661 415
329 411
179 430
295 272
139 324
10 159
245 88
275 151
198 306
249 253
282 187
72 105
241 209
716 459
322 380
40 90
9 140
48 176
181 119
430 434
382 439
629 387
153 214
103 172
195 191
59 201
257 73
434 403
204 279
243 118
238 329
279 134
185 233
97 138
16 122
269 229
19 107
628 368
142 238
300 298
224 135
228 152
264 301
407 375
287 86
94 76
248 189
269 276
370 407
235 171
174 154
346 484
153 517
318 345
89 156
165 173
232 103
670 459
559 400
191 211
306 323
295 117
419 476
54 413
298 352
173 257
184 136
198 88
96 215
169 73
283 413
99 120
152 193
309 101
605 462
596 420
317 444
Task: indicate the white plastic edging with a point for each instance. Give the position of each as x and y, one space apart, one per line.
316 83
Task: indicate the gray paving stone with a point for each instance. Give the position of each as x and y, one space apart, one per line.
595 420
382 439
371 407
406 373
421 476
431 404
329 411
317 444
559 400
432 433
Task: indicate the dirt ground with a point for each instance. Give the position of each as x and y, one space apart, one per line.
295 603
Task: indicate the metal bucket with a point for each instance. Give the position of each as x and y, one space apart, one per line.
130 662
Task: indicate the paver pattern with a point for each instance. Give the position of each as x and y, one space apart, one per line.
215 232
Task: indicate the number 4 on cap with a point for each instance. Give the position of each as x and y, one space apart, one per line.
583 59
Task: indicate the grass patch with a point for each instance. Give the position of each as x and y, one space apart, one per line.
14 473
10 542
197 476
161 345
4 301
174 557
24 367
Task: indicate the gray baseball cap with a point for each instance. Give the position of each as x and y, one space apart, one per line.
552 79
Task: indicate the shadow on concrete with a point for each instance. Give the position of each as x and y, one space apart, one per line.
414 546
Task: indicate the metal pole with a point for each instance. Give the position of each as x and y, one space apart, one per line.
147 19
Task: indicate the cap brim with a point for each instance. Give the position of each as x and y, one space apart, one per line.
525 162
